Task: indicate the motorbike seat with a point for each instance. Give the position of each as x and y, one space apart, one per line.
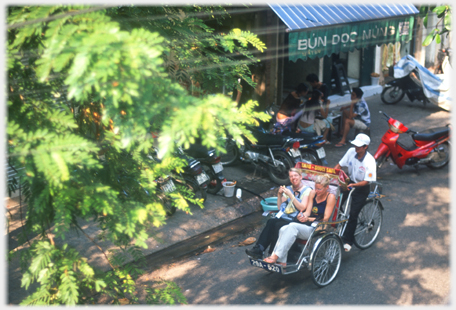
197 151
307 137
431 134
269 140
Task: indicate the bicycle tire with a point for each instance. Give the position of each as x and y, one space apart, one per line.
370 220
326 261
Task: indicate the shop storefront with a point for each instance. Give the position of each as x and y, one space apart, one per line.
362 39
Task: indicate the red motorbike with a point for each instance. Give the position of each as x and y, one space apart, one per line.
430 147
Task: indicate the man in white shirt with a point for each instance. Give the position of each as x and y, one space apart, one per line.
361 170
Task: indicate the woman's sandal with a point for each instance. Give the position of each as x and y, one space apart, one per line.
270 260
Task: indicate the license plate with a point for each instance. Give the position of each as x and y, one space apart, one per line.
321 153
169 187
266 266
295 153
201 178
217 167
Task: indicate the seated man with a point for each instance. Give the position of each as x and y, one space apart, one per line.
321 210
296 201
355 115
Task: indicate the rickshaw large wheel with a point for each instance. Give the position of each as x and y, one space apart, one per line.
326 261
369 223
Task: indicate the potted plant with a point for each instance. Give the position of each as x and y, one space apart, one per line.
374 78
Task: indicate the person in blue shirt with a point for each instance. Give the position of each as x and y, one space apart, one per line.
355 115
321 208
290 201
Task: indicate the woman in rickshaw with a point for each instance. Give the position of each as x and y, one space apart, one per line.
321 210
297 198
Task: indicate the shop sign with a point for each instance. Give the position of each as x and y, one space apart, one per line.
343 38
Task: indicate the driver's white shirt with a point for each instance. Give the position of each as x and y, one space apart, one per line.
364 170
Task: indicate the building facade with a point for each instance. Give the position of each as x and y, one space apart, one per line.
364 40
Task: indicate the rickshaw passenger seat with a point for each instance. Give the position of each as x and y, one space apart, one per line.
309 180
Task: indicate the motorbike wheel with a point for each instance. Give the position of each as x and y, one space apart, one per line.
232 153
200 193
279 174
169 208
311 156
440 156
215 184
392 95
380 161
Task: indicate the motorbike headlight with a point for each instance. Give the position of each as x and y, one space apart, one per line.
395 129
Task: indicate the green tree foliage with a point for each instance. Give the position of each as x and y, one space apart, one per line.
86 85
195 56
443 13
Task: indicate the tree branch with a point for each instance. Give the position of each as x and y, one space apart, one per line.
96 244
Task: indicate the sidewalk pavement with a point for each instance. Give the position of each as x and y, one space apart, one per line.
337 101
218 210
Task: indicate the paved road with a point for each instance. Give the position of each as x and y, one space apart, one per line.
408 265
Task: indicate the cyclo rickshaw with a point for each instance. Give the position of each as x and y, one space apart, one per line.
322 252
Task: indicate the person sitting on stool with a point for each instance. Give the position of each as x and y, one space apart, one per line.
355 115
321 119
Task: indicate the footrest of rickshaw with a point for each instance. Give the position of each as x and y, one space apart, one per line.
266 266
289 268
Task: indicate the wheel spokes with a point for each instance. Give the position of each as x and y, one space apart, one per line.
368 219
327 262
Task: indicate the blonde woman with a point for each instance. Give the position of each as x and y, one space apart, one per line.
322 208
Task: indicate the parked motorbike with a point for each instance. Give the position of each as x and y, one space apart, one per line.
166 185
311 144
193 176
409 85
211 164
275 153
311 147
430 147
130 185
